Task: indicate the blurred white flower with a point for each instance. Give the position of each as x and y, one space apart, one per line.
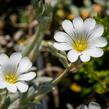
51 2
92 105
14 72
81 38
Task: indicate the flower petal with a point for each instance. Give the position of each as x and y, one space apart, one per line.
62 37
11 88
2 84
3 58
84 58
72 55
68 26
62 46
28 76
89 24
78 23
16 57
98 42
22 87
24 65
94 105
97 31
9 67
95 52
1 72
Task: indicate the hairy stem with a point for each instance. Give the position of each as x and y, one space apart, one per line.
65 73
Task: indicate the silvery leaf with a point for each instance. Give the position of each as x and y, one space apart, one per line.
43 79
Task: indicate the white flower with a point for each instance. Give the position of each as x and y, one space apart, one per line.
92 105
81 38
14 72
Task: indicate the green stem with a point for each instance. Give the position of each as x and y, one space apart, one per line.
29 48
64 74
55 82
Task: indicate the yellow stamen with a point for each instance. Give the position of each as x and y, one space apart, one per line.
11 78
80 45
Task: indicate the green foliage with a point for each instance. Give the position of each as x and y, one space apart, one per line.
43 11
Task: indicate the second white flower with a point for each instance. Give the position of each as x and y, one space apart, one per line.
81 38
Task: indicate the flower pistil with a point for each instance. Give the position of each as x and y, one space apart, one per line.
80 45
11 78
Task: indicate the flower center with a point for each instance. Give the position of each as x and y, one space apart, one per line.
80 45
11 78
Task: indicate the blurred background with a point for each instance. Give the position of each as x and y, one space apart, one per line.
18 24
